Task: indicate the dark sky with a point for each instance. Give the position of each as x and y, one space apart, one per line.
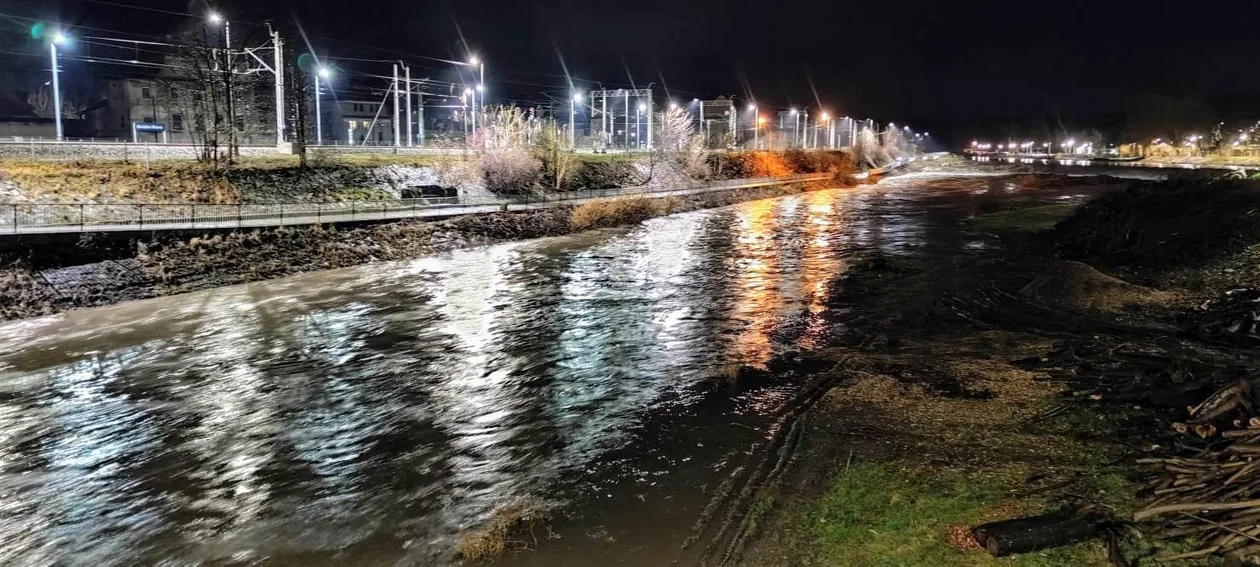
951 66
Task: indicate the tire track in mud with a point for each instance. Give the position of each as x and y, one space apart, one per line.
757 479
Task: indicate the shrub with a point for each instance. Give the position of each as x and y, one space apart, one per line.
511 171
614 212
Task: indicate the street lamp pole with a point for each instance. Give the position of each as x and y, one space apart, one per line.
319 116
826 119
56 82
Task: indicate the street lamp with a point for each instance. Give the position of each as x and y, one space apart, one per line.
322 73
756 129
215 19
58 38
577 98
830 139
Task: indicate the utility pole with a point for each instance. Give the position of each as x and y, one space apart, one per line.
411 140
649 132
420 112
397 113
627 120
796 134
603 121
572 111
805 131
278 73
638 125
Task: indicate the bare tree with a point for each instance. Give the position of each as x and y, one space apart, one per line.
674 130
226 99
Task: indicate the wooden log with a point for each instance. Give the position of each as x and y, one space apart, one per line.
1023 535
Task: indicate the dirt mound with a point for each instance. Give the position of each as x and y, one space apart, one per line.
1073 284
1167 224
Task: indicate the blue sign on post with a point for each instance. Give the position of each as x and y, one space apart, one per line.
149 127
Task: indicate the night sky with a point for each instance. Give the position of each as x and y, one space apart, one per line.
950 67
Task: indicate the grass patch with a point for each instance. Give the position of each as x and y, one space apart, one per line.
1029 219
897 514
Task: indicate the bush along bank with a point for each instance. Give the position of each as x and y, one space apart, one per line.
169 265
328 178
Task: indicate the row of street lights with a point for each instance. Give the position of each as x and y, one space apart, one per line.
59 38
1069 146
323 76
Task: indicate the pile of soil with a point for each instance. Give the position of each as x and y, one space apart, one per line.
1163 225
1076 285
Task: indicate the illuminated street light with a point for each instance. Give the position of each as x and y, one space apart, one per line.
322 73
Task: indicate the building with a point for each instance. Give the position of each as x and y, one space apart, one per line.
358 123
172 112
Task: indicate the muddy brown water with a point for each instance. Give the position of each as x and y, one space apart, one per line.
369 415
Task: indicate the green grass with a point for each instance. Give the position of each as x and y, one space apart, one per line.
895 514
1030 219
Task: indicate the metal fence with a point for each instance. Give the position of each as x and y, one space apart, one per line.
43 218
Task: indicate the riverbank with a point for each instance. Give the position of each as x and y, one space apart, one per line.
41 280
954 404
332 177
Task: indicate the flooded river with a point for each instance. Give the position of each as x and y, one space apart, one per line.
369 415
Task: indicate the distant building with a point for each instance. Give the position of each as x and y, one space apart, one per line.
174 107
358 122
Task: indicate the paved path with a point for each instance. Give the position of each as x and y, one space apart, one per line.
61 219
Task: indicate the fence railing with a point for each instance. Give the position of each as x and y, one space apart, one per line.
38 218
